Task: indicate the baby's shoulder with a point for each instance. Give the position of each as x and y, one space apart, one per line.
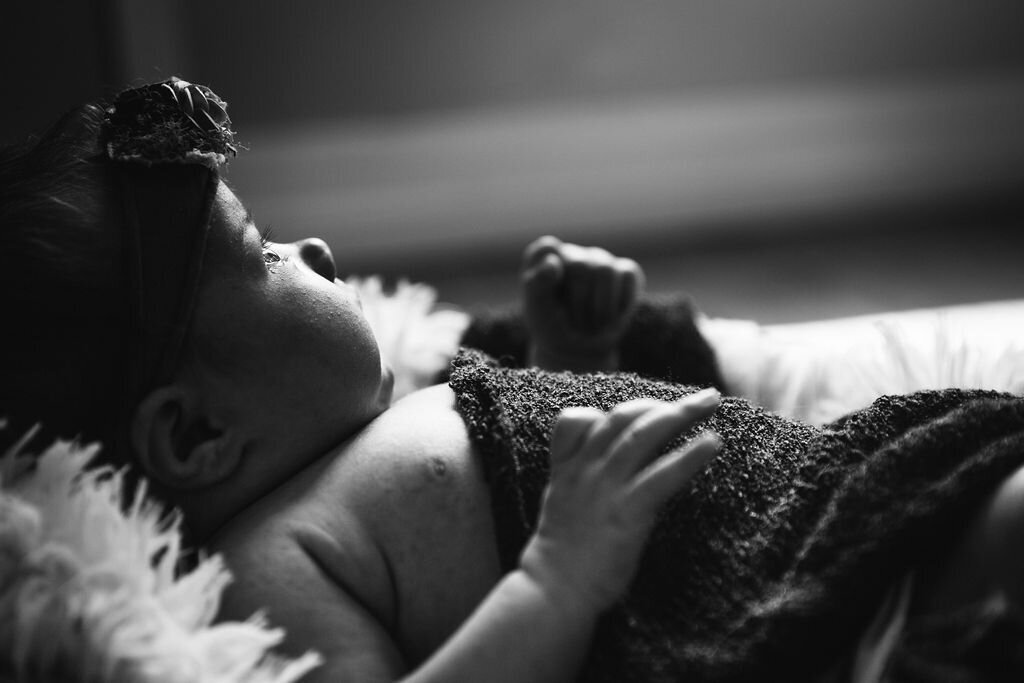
347 491
317 572
384 517
357 489
290 533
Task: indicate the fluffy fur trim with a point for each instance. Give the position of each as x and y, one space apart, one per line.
89 591
417 338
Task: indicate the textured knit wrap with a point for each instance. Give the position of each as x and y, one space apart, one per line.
773 562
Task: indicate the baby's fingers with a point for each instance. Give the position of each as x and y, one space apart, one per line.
541 280
602 296
571 432
606 430
671 473
580 429
629 285
643 440
537 250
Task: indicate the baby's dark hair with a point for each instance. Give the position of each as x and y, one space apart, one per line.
62 288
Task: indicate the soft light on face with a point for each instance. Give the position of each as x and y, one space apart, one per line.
281 347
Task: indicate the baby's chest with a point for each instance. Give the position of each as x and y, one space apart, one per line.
441 543
424 499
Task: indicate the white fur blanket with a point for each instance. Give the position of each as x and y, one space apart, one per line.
88 590
818 371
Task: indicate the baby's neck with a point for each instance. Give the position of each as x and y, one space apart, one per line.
208 510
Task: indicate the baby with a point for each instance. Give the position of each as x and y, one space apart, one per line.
240 377
362 527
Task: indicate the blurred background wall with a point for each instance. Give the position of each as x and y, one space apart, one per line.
780 160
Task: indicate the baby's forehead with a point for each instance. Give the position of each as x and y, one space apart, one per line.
232 248
229 221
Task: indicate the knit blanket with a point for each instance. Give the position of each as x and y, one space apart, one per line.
774 561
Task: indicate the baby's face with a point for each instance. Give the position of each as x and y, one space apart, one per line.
279 344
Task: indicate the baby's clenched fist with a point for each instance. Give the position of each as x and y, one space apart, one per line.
578 302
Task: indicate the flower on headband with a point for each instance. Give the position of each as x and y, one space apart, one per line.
167 122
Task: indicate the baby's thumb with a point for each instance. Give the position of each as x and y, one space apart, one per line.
542 278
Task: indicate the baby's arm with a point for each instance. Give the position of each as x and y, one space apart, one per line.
607 483
578 302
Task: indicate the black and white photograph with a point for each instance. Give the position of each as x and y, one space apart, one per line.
668 341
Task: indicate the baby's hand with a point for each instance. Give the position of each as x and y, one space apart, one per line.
578 302
607 484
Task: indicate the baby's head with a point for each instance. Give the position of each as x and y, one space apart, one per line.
144 308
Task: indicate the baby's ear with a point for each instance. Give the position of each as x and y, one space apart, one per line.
180 446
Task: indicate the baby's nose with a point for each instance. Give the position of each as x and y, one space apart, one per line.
315 252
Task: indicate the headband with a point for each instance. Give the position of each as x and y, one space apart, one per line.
167 142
